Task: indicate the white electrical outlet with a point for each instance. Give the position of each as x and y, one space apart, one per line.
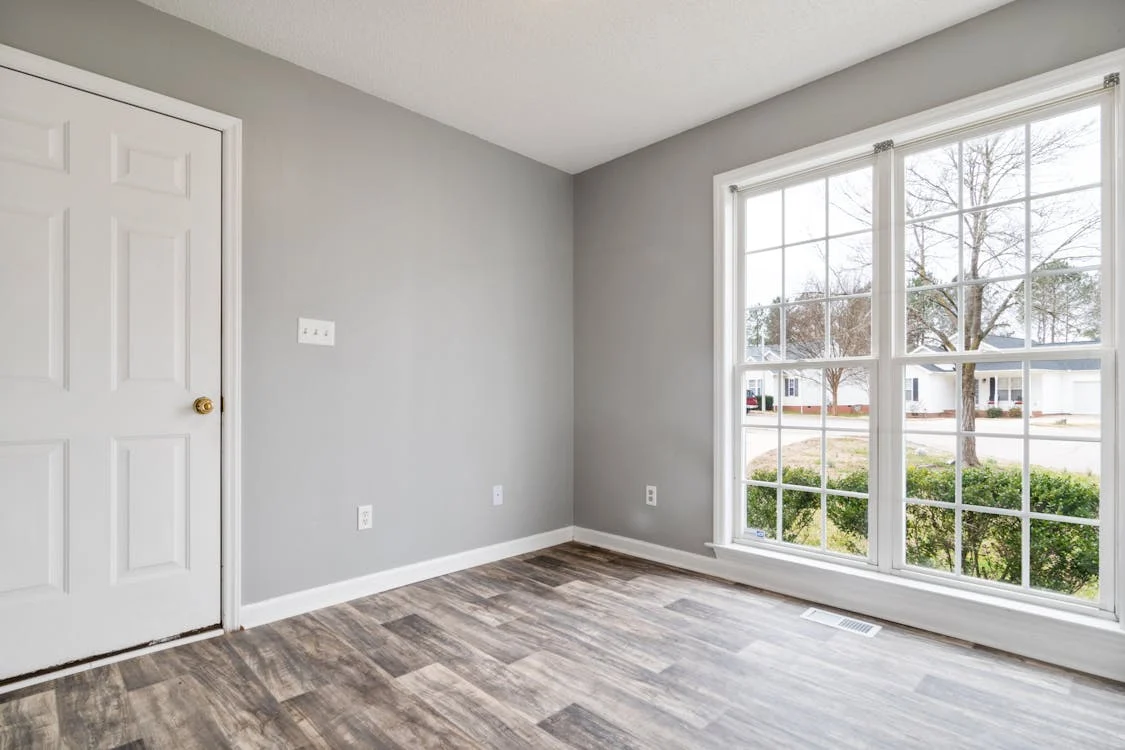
498 494
363 517
650 494
317 332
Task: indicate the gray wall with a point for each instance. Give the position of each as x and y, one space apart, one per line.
446 263
643 253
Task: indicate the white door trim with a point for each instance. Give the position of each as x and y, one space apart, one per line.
231 129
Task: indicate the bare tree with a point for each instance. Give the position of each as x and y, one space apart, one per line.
763 326
849 328
1065 307
992 240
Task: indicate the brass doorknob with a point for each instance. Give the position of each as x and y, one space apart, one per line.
204 405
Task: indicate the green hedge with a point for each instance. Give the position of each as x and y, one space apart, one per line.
1064 556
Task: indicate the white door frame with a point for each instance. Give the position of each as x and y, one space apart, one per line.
231 403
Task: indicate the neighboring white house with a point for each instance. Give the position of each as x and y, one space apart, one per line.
800 390
1058 386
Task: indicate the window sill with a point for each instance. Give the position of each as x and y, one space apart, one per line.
1093 642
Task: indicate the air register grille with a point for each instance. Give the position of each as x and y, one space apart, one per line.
850 624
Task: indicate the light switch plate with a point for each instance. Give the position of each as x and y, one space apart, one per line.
317 332
498 494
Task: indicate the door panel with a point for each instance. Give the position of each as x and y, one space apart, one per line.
28 140
150 299
110 261
32 287
148 168
32 538
149 493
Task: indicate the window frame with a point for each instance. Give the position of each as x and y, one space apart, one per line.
954 121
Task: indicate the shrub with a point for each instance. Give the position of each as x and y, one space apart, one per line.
798 507
1063 556
1015 412
995 412
855 481
768 402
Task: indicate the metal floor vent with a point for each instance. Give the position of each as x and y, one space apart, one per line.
850 624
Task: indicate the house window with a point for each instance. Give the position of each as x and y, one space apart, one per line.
911 389
754 387
1009 389
992 266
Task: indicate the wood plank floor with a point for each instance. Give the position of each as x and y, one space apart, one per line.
571 647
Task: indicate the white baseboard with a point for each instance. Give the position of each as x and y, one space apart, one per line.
647 550
289 605
1080 642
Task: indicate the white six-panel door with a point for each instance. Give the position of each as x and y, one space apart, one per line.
110 278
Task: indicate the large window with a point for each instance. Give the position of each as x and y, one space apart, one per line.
973 268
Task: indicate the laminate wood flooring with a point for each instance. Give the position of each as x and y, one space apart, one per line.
570 647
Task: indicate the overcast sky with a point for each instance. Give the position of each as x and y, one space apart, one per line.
817 213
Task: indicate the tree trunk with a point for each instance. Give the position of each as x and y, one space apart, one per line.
835 386
969 414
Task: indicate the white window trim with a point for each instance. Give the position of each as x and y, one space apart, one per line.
1021 95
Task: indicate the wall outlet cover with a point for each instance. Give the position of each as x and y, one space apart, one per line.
363 517
650 494
498 494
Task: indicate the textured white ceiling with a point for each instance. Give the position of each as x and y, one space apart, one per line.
574 83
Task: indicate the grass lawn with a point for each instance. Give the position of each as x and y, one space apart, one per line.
847 454
844 455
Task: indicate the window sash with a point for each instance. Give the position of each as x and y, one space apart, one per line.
1009 389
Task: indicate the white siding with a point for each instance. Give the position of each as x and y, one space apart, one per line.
1086 393
936 391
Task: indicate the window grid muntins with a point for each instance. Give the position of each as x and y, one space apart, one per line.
1025 450
813 242
1006 292
1012 237
791 487
1034 273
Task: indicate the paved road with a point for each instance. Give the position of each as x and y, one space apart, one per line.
1057 454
